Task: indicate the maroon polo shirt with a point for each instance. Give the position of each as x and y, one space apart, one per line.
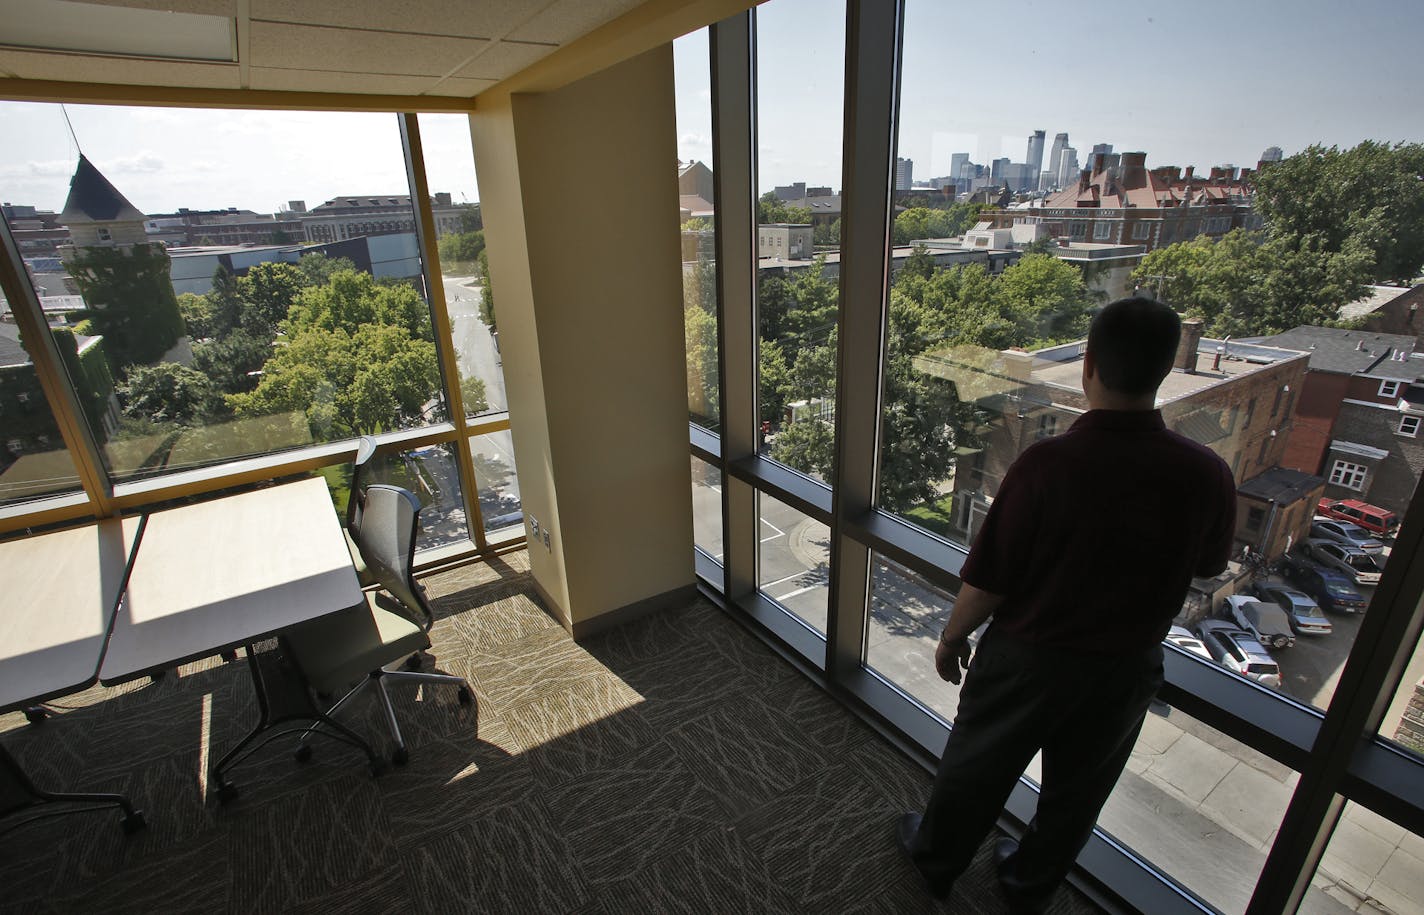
1095 535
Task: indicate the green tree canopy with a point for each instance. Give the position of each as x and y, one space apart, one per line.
357 358
168 393
1369 198
463 246
771 209
486 292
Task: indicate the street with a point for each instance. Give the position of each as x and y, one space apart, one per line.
474 345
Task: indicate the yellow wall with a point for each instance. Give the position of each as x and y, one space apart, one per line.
578 188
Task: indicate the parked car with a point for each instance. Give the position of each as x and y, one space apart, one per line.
1268 623
1236 650
1182 637
1346 532
1372 518
1359 565
1300 608
1331 589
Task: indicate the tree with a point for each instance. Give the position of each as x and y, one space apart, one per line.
700 333
486 292
167 393
920 263
807 446
197 312
1046 300
129 299
233 363
318 268
462 247
472 394
357 358
471 219
1247 283
266 293
828 234
1369 197
771 209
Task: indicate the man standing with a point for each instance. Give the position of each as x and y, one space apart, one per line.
1082 562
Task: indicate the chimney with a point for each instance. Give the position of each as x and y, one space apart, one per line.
1191 170
1100 161
1085 180
1134 169
1187 347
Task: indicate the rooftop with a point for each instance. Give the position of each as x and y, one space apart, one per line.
1353 352
1065 370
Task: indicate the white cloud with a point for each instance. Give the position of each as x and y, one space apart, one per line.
145 163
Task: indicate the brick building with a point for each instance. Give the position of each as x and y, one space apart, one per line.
392 214
1127 203
1234 398
1359 416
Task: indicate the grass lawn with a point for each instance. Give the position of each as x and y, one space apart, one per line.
935 517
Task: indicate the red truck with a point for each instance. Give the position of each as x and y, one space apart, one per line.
1372 518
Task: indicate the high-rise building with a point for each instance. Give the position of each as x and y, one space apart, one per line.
1272 154
1034 157
1067 166
1055 157
904 174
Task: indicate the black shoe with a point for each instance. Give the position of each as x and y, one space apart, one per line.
906 828
1021 900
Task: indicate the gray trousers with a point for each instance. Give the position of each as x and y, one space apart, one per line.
1084 712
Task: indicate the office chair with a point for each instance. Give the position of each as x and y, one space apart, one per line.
392 622
365 450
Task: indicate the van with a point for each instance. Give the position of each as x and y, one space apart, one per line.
1376 520
1268 623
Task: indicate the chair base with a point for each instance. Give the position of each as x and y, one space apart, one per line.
23 796
377 680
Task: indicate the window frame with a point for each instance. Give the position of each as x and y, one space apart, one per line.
1393 387
1413 423
1348 474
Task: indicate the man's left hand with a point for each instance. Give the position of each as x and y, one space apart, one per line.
951 659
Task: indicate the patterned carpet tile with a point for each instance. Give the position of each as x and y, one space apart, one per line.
650 637
452 781
511 860
591 725
505 568
617 820
682 686
541 663
196 878
745 753
376 893
302 845
829 725
481 621
717 873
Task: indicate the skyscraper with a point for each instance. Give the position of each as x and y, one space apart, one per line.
1055 157
904 174
1067 166
1034 158
1272 154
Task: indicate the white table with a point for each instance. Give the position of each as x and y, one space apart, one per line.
229 572
58 596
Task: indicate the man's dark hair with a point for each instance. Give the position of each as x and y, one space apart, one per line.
1134 343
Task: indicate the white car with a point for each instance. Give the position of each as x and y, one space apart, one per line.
1236 650
1266 622
1356 563
1183 639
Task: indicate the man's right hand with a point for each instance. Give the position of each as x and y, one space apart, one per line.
952 659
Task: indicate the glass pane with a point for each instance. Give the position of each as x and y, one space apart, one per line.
464 267
1404 719
34 461
793 566
800 91
498 481
232 325
707 508
431 473
1019 222
907 614
699 255
1372 864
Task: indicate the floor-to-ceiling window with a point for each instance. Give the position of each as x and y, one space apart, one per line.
1015 199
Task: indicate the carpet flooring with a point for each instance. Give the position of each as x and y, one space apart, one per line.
673 765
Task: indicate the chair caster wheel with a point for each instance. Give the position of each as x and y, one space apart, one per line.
401 756
35 715
227 792
378 767
412 662
465 696
133 822
303 753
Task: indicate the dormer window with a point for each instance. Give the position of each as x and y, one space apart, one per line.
104 235
1389 389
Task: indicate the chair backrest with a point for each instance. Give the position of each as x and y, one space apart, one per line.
365 450
387 543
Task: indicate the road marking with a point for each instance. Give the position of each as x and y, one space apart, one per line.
771 584
779 531
799 591
772 537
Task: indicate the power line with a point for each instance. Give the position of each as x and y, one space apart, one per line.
72 135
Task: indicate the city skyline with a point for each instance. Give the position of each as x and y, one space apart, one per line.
1200 105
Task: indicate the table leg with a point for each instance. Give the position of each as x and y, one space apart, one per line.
283 696
18 793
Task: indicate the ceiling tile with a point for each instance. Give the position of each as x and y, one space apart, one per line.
485 19
568 20
301 47
460 88
208 7
503 59
332 81
118 70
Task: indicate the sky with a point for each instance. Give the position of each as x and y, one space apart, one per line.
1199 84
